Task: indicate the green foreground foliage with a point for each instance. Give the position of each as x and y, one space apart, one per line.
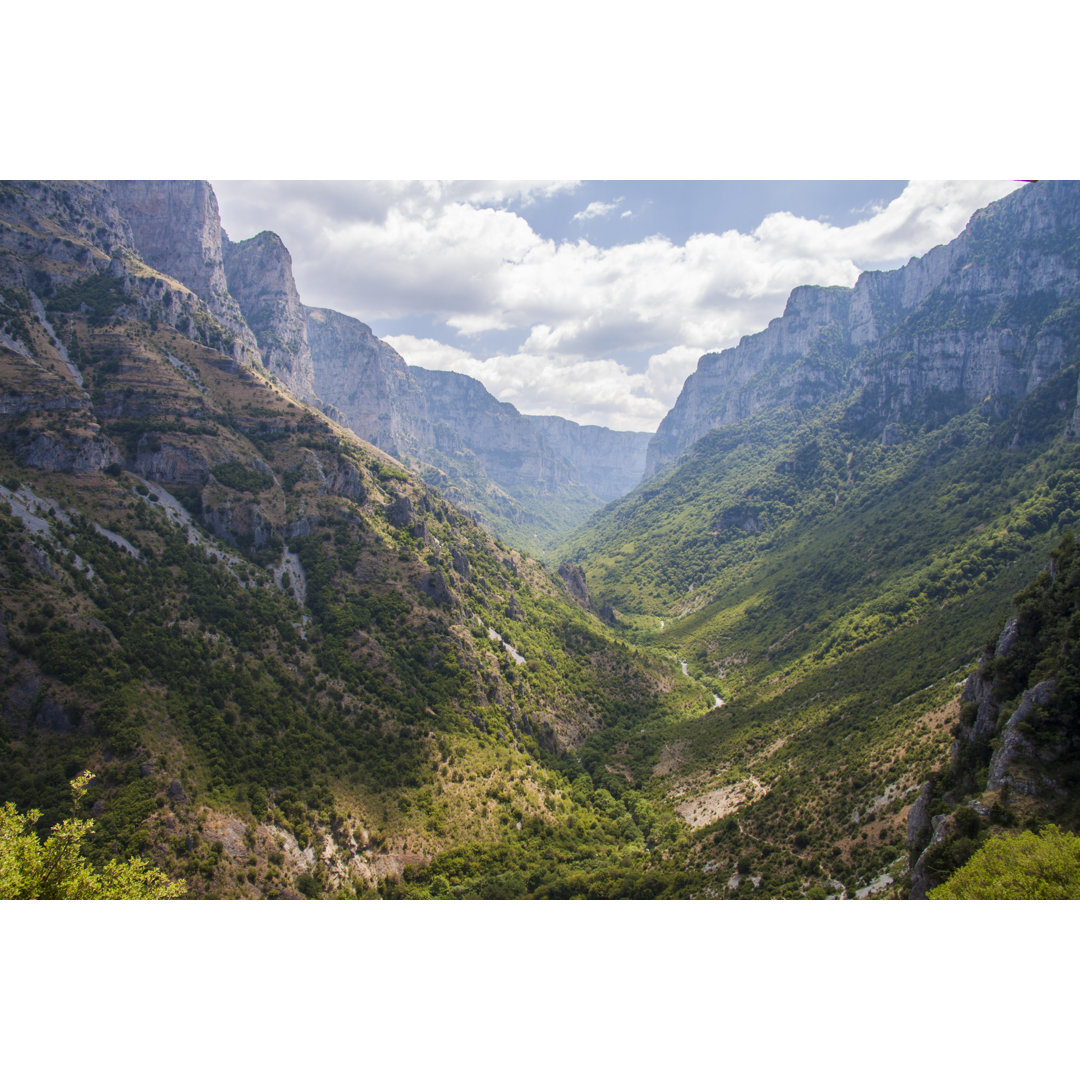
57 869
1022 866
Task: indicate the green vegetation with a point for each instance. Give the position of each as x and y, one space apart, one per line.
57 869
327 681
834 592
240 478
1019 867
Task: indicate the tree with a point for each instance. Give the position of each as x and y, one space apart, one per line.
1019 867
56 869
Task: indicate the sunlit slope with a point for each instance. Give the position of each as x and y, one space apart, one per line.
834 592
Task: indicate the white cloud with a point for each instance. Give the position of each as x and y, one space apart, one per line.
593 391
458 251
598 209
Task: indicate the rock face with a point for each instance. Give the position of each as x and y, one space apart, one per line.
466 419
483 453
609 463
367 382
259 275
176 228
968 321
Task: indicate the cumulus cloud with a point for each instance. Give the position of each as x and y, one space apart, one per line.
461 253
598 209
588 391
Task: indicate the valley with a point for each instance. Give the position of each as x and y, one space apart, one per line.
323 624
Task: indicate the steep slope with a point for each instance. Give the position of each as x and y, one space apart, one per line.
368 382
1015 758
176 228
294 668
831 559
609 463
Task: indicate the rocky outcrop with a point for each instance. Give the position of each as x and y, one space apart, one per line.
573 577
176 228
923 878
259 276
1016 760
68 452
968 322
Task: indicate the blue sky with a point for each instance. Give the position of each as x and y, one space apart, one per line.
587 299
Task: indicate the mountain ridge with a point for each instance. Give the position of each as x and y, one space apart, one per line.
867 341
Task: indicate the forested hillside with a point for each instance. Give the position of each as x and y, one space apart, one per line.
295 668
832 572
292 667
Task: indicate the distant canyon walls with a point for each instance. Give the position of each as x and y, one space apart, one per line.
987 315
437 418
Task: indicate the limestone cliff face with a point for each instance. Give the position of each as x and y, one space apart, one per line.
465 417
985 317
367 382
794 360
176 228
609 463
259 275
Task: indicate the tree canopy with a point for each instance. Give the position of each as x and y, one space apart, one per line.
56 869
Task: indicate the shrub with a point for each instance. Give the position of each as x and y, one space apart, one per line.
1019 867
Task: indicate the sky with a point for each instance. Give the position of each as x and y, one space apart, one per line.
591 300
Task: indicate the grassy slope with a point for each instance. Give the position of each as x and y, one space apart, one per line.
835 593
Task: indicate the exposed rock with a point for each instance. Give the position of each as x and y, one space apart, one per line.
513 609
401 513
467 419
979 691
922 879
368 382
744 518
345 480
170 463
460 563
176 792
259 275
435 586
913 345
919 829
574 578
609 463
1007 764
176 228
67 452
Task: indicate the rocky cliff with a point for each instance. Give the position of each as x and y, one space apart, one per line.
176 228
259 276
467 419
985 316
368 382
609 463
528 477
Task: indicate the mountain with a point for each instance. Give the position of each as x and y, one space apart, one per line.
968 321
529 483
839 513
530 479
294 668
259 276
609 463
